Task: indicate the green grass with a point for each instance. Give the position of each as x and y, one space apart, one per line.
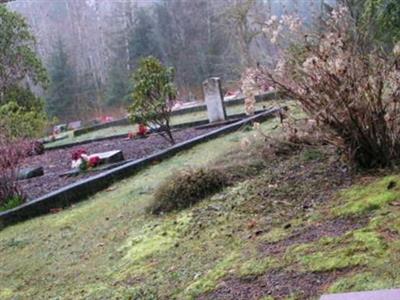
357 248
116 130
361 199
257 266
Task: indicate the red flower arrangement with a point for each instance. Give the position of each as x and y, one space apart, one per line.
94 161
81 160
143 130
77 154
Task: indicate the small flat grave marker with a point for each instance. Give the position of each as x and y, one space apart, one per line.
75 125
76 172
28 173
372 295
109 157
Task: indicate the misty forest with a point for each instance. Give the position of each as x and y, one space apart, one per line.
91 48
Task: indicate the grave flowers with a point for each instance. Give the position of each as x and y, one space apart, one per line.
77 159
78 153
94 161
142 131
82 161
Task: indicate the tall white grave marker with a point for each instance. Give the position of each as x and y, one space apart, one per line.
214 99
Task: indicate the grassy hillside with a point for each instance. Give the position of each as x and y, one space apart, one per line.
301 227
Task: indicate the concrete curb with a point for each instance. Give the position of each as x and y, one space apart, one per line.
118 136
80 190
120 122
202 107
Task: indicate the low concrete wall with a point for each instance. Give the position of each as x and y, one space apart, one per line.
81 190
118 136
201 107
120 122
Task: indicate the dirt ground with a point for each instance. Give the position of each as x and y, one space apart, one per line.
56 162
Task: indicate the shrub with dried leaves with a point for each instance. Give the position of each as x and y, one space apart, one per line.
349 90
12 153
253 83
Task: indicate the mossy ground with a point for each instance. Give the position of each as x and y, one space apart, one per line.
269 227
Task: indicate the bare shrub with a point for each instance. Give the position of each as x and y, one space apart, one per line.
350 91
253 83
12 152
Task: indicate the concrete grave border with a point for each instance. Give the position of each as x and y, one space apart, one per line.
200 107
80 190
199 123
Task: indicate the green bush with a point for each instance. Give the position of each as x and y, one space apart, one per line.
18 122
24 98
153 94
187 188
12 202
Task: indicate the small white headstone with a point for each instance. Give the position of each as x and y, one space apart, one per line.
75 125
109 157
214 99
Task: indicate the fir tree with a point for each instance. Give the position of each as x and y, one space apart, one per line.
60 101
140 42
143 42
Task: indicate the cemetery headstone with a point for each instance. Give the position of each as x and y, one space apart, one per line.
214 99
28 173
75 125
109 157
